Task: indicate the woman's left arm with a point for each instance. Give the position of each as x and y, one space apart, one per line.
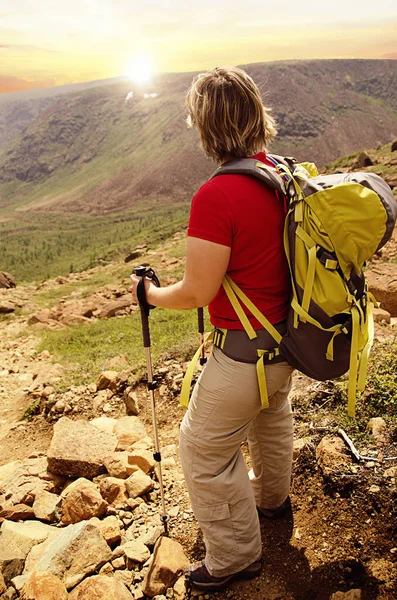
206 266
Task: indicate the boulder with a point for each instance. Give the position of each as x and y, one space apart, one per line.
107 380
78 449
110 529
136 552
18 512
113 490
83 501
3 586
6 307
142 459
382 281
394 146
46 506
331 455
101 587
117 465
381 316
43 586
350 595
7 281
21 481
151 536
168 564
115 307
363 160
131 402
128 431
76 552
104 423
138 484
16 541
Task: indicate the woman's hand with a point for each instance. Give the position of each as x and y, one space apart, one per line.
148 286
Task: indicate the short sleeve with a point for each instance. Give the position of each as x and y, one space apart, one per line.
211 216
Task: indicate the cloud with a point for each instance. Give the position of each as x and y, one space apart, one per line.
15 84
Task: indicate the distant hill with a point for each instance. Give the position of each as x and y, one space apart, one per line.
91 151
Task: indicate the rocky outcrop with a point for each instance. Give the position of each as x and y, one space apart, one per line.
7 281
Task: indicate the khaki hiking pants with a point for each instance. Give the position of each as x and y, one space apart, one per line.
225 410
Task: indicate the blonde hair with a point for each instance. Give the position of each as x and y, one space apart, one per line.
226 107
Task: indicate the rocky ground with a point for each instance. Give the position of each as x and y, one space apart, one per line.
79 493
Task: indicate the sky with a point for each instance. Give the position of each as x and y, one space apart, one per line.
45 43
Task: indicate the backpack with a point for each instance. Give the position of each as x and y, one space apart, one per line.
333 225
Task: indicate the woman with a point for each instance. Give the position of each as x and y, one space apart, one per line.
235 228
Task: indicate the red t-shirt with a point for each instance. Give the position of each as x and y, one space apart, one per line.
241 212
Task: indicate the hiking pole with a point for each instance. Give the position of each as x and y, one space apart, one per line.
145 307
200 318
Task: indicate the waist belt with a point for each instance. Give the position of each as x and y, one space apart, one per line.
236 344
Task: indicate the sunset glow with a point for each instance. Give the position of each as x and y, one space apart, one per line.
47 43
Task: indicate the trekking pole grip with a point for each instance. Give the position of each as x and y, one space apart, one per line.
144 306
200 319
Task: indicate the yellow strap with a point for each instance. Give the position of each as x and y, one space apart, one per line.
231 294
187 380
260 371
305 237
330 347
311 271
354 359
362 375
253 310
298 214
305 316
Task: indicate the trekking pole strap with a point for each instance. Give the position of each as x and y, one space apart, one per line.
145 273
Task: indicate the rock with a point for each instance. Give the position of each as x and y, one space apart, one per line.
136 552
382 281
128 431
107 569
6 307
299 445
7 281
82 502
118 563
394 146
104 424
44 586
110 529
125 577
45 374
3 586
107 380
378 428
381 315
10 594
143 459
16 541
350 595
100 587
331 455
131 402
113 490
18 512
151 536
138 484
363 160
44 316
180 589
117 465
77 551
392 472
168 564
78 449
115 307
21 481
46 506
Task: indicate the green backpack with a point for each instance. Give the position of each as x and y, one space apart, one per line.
333 225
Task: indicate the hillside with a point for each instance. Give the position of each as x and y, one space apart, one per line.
92 151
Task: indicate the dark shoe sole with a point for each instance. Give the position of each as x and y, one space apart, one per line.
250 572
276 513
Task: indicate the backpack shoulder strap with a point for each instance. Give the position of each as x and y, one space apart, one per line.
251 166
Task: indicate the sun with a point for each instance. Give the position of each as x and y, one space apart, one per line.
140 69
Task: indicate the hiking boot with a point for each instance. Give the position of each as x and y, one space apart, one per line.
276 513
198 576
